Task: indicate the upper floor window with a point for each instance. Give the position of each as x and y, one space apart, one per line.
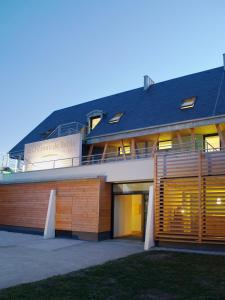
94 122
212 143
188 103
94 117
164 145
116 118
126 150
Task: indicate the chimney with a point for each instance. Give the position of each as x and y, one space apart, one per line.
147 82
224 61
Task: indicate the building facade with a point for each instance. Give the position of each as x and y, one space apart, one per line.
102 156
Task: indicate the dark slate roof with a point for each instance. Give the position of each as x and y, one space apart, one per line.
159 105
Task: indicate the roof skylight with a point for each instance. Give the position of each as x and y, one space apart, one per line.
188 103
116 118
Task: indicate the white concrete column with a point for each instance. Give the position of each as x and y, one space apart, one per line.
49 232
149 232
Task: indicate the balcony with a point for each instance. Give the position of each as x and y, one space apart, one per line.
115 166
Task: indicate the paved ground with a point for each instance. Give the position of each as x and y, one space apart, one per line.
26 258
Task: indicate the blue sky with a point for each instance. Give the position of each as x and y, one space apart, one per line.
57 53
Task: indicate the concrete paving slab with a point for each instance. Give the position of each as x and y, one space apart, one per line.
53 244
28 258
13 239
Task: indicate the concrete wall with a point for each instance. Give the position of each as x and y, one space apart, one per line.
130 170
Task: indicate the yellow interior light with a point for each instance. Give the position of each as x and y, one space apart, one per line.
218 201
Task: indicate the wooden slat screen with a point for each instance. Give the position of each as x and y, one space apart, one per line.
190 197
214 209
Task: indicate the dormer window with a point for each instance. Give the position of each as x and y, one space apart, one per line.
94 122
116 118
188 103
93 118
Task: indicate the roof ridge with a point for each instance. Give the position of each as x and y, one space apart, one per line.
183 76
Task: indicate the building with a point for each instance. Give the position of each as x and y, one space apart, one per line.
102 156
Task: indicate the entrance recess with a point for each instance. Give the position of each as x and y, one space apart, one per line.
130 202
128 216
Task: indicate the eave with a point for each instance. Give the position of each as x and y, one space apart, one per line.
156 129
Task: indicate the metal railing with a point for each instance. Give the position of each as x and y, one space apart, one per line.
88 160
66 129
98 158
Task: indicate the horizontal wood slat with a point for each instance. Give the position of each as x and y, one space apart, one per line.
190 197
81 205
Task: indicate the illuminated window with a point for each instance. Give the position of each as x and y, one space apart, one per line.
94 122
164 145
126 150
188 103
93 118
116 118
212 143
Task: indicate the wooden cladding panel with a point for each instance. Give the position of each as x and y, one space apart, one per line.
177 209
81 205
24 206
214 208
190 197
105 206
64 213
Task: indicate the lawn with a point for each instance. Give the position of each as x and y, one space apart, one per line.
149 275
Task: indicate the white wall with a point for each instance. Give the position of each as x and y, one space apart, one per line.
132 170
61 152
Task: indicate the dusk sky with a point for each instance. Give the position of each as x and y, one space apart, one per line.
57 53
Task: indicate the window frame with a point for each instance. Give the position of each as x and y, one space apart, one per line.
120 150
165 148
211 135
116 119
91 120
188 106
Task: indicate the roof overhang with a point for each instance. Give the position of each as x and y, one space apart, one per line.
156 129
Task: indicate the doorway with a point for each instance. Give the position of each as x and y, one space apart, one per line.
129 209
129 216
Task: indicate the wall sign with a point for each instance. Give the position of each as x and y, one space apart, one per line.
59 152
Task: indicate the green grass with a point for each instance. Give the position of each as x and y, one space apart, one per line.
149 275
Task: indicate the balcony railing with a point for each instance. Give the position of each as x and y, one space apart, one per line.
138 153
66 129
88 160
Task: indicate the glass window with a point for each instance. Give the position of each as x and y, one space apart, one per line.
188 103
164 145
116 118
131 187
94 122
212 143
126 150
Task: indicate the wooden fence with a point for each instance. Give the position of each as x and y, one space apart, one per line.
190 197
